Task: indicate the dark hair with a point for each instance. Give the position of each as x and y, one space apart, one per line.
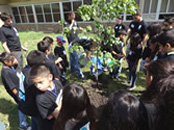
71 12
35 57
75 102
153 41
162 72
123 112
135 40
5 56
123 32
43 46
161 92
39 70
5 16
120 17
169 20
48 39
154 29
166 37
137 12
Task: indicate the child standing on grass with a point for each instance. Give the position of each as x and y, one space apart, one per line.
11 83
118 53
48 98
59 51
44 47
133 57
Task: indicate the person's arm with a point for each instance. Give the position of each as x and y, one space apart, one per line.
5 47
128 37
71 25
145 39
24 49
117 55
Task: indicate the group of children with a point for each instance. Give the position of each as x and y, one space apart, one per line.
41 91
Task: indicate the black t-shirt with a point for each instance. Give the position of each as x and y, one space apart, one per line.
10 35
10 81
119 27
118 49
73 34
139 27
52 56
46 104
28 106
134 54
59 51
54 69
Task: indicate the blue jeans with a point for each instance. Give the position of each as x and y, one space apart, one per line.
132 74
74 65
22 120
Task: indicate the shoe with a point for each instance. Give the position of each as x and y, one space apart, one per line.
131 88
127 83
81 76
24 128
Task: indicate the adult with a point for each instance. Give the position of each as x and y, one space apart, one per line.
9 38
72 24
138 25
120 26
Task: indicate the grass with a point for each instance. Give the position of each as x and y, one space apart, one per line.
8 108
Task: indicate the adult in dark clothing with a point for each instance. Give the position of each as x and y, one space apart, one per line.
10 40
168 24
72 24
120 26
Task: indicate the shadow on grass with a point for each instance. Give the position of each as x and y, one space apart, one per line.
10 109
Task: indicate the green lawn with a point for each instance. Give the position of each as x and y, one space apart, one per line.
8 110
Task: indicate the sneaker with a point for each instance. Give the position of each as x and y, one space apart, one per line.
127 83
131 88
81 76
24 128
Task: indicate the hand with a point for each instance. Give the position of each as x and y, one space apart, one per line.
88 56
73 21
60 66
24 49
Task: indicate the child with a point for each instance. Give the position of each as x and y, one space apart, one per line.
50 41
45 48
123 112
120 26
76 109
133 58
11 83
48 97
33 58
159 94
166 41
118 53
59 51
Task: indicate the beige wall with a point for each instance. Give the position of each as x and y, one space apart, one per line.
3 8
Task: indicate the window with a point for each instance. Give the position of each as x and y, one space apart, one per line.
66 9
146 6
56 12
75 7
30 14
16 14
163 5
47 12
23 14
154 6
171 7
39 13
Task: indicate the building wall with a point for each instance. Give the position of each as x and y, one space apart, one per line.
4 8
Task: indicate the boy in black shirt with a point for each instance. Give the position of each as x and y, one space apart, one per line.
166 41
34 57
59 51
118 53
48 98
44 47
